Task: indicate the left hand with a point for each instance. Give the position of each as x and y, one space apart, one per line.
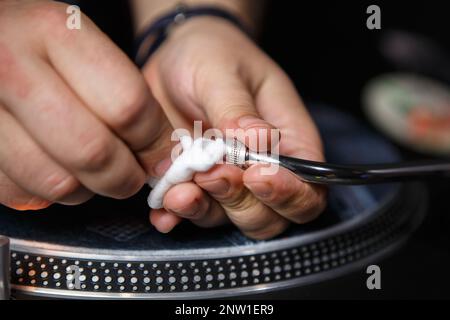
210 70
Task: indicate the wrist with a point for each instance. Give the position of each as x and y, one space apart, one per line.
146 12
154 36
212 26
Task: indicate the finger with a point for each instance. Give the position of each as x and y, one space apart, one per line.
278 100
252 217
154 159
188 201
105 79
229 105
71 134
18 199
298 201
28 166
286 194
164 221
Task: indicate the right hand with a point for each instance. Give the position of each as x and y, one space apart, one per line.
198 74
76 116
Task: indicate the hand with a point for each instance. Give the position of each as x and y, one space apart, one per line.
209 70
76 116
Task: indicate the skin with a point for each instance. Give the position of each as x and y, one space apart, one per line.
66 129
210 70
74 110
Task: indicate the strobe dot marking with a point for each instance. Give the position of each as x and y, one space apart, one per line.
231 272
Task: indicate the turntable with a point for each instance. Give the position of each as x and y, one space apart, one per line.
107 249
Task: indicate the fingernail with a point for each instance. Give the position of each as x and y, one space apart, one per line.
217 187
260 189
249 122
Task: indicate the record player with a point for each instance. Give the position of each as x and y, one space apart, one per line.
107 249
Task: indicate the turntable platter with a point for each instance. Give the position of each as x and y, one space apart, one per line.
117 254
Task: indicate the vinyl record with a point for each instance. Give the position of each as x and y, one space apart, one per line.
412 110
117 254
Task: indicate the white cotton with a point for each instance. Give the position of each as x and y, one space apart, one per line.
198 156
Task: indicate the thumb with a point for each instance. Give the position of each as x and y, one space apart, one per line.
229 104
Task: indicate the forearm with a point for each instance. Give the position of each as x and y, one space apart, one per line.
249 11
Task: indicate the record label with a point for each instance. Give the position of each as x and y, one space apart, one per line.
412 110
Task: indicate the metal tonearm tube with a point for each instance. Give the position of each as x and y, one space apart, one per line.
327 173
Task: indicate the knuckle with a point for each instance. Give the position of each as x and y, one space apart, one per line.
240 201
51 19
283 195
130 107
270 231
214 217
50 13
58 187
203 208
312 206
128 188
317 200
95 153
303 217
231 111
132 181
252 219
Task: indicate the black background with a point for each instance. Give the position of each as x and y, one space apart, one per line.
330 54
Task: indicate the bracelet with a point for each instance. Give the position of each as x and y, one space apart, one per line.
152 38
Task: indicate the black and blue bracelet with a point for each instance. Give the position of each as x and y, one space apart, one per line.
152 38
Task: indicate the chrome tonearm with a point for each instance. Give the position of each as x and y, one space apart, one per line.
238 154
